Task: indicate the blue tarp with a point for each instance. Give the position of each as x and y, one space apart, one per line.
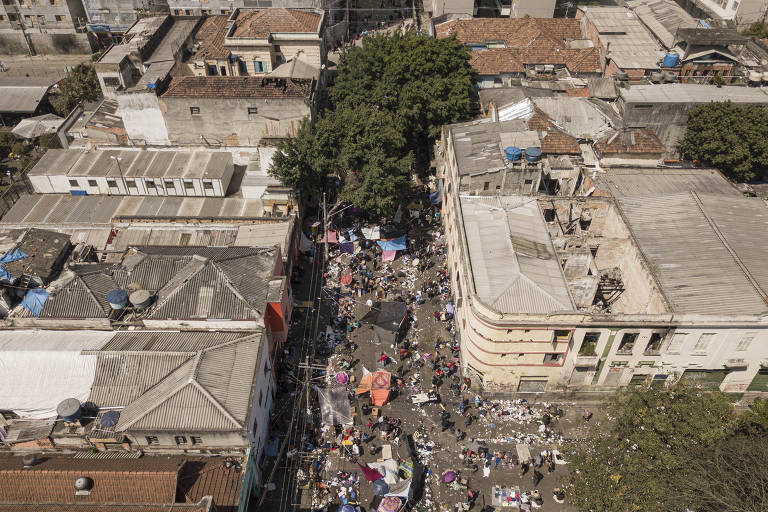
12 255
34 300
347 247
435 198
5 275
396 244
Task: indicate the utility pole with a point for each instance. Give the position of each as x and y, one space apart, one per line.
325 227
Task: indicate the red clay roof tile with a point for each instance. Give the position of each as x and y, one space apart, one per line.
237 87
263 22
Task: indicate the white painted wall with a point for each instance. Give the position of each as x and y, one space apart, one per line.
143 118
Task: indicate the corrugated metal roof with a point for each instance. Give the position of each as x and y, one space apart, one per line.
629 43
514 266
170 341
663 17
693 94
642 182
21 99
695 268
208 390
577 117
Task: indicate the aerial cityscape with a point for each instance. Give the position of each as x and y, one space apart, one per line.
383 255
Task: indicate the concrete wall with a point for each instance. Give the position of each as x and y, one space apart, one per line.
262 400
226 121
119 15
233 442
440 7
133 186
13 43
143 117
521 179
533 8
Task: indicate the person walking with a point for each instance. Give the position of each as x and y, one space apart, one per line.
537 476
383 359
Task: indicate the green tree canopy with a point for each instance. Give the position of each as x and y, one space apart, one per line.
630 462
390 99
732 138
759 30
78 86
425 82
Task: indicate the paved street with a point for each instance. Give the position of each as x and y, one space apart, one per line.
497 426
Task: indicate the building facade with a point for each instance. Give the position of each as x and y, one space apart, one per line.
50 27
587 293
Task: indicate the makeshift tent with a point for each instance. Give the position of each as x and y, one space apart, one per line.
389 231
378 384
332 238
388 468
401 489
380 487
305 244
34 300
12 255
435 198
388 255
36 126
371 233
394 244
370 473
347 247
334 405
387 318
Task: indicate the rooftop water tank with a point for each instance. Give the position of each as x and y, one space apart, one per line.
671 60
622 75
513 153
117 299
656 77
670 76
69 409
140 299
532 154
110 419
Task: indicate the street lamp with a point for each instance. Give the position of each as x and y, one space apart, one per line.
120 170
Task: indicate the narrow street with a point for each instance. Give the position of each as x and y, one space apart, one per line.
318 463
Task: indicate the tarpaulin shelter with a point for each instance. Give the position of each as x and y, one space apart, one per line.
389 231
9 257
371 233
371 474
393 244
378 383
333 238
388 255
305 244
334 405
386 318
389 504
34 300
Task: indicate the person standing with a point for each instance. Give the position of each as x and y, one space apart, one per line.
537 476
383 359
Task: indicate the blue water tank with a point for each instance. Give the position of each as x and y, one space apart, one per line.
513 153
117 299
532 154
671 60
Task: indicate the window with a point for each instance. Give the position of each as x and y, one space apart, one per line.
225 11
486 185
653 348
261 397
111 81
253 110
13 17
259 66
745 342
195 111
627 343
180 440
208 185
589 344
223 70
189 185
2 18
205 12
255 425
242 67
562 336
60 17
130 184
196 439
277 48
178 12
211 70
700 349
676 342
152 440
735 6
553 358
151 185
74 183
549 215
92 183
112 183
169 184
643 106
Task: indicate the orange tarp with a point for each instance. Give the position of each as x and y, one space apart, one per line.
380 387
365 384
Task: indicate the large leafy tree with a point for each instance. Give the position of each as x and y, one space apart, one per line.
361 147
390 99
80 85
630 463
425 82
732 138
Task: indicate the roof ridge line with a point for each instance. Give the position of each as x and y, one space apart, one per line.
176 290
215 402
234 289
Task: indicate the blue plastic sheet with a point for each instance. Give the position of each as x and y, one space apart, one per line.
435 198
34 300
5 275
396 244
348 247
13 255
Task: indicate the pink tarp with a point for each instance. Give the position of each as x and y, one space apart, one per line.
333 237
388 255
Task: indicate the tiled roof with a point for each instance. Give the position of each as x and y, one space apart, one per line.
212 478
555 141
264 22
516 32
189 390
638 140
210 35
190 283
148 480
237 87
529 41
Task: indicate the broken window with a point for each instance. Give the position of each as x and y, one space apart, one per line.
653 348
486 185
589 344
549 214
627 343
553 358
